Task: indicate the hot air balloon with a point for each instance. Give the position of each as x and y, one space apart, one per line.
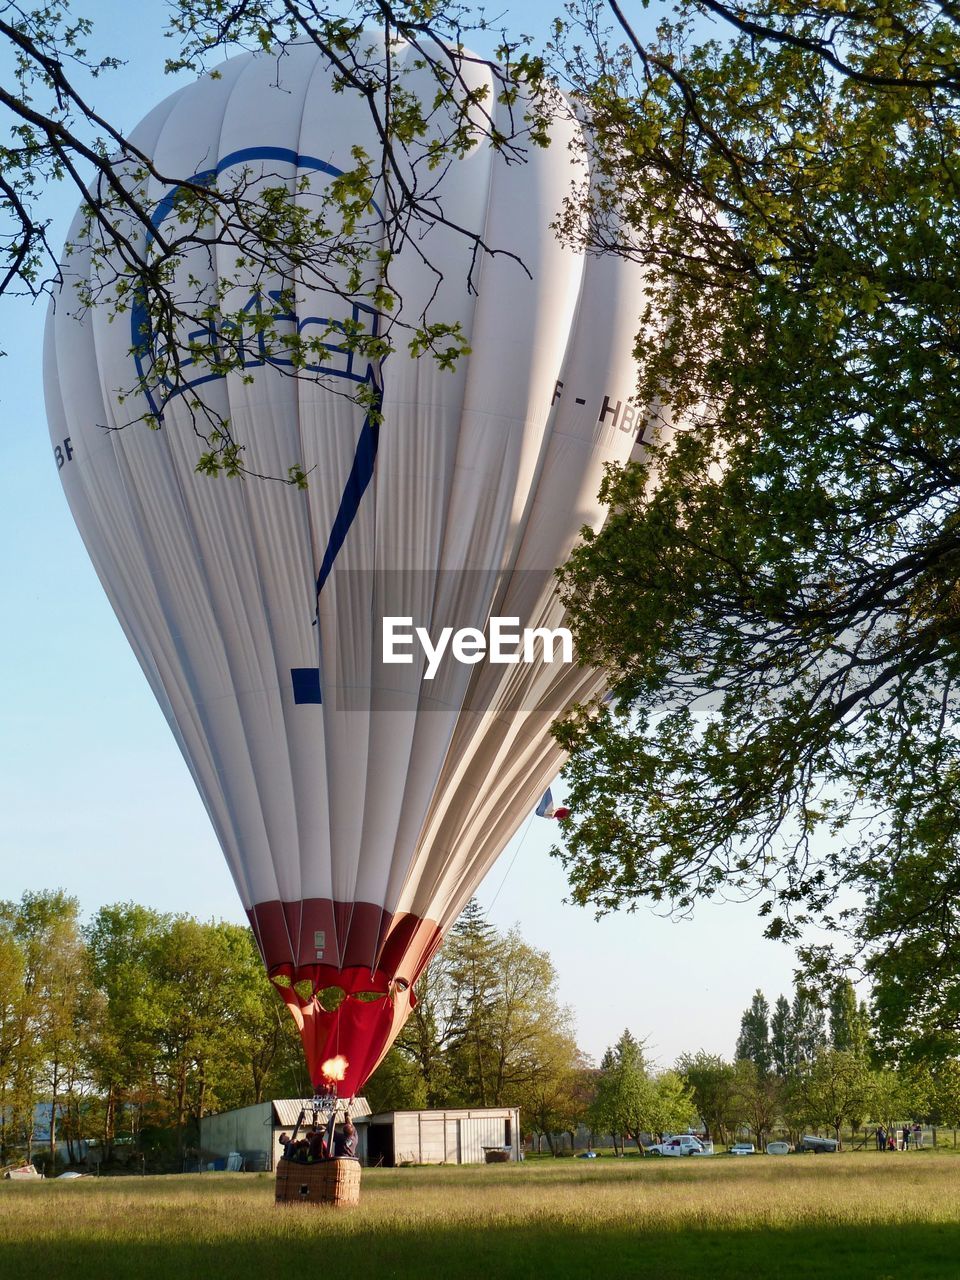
358 803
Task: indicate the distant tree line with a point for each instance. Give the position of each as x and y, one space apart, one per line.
131 1027
814 1063
127 1029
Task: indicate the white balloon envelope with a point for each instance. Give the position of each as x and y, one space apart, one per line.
358 803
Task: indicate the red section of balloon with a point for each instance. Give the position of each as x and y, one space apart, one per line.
346 972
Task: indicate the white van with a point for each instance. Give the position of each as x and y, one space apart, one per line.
681 1144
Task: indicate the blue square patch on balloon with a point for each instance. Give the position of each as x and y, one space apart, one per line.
306 684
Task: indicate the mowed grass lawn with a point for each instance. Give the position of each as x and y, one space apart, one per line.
849 1215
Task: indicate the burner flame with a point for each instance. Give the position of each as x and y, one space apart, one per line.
335 1068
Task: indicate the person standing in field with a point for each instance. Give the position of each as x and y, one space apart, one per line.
881 1138
906 1137
917 1136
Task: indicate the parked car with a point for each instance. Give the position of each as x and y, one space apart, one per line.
681 1144
811 1142
743 1149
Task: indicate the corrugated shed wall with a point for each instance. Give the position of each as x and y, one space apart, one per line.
246 1130
454 1137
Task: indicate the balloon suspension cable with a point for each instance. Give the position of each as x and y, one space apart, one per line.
516 854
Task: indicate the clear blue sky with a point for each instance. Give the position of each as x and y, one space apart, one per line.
95 799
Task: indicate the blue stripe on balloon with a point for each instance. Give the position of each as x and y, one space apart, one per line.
360 476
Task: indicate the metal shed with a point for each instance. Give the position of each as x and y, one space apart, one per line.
460 1136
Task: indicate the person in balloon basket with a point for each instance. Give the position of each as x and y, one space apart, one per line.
291 1150
345 1142
317 1145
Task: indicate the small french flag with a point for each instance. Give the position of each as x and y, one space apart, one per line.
547 809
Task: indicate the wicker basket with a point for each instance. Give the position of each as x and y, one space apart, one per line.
335 1182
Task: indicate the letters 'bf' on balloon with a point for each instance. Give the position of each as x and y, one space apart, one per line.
358 804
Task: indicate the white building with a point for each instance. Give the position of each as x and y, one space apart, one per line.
454 1136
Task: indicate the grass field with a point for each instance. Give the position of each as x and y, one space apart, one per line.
853 1216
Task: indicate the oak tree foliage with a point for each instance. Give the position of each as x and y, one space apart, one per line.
774 594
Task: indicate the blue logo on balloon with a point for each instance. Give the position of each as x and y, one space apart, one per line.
338 362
